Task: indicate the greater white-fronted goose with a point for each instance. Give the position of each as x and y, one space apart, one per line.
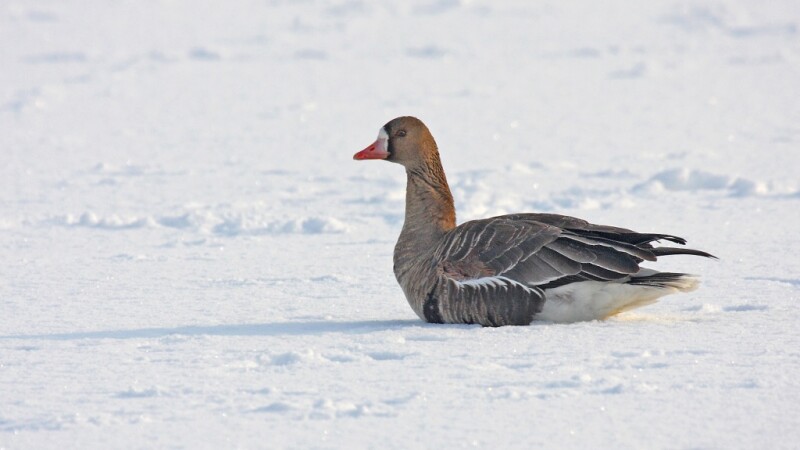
513 269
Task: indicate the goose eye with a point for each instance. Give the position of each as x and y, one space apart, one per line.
400 133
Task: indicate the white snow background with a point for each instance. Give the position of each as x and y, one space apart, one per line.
191 259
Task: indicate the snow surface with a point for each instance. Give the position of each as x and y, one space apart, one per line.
191 259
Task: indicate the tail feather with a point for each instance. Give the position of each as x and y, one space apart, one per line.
646 238
664 251
683 282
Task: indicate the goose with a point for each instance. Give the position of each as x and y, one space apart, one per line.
512 269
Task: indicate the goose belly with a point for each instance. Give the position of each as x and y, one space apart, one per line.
595 300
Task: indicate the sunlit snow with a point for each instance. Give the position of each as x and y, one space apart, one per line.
192 259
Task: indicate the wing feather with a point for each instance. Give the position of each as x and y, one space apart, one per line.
573 250
546 250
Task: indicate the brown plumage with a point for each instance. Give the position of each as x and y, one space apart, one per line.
513 269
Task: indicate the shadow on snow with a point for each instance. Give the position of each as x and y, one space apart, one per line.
256 329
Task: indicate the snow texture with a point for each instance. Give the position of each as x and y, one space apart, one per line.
191 259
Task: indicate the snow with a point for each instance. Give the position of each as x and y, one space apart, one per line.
192 259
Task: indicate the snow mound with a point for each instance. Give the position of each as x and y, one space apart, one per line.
242 225
206 222
141 392
112 222
684 179
295 357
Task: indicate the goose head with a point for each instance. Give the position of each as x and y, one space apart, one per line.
404 140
